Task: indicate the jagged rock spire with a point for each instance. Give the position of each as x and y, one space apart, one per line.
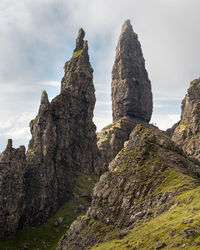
78 76
131 88
44 98
79 40
186 132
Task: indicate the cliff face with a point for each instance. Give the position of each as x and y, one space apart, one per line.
131 88
145 179
12 188
186 133
63 144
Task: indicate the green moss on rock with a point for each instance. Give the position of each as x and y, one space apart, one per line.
77 53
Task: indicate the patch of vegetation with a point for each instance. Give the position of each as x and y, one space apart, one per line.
31 151
77 53
48 235
181 127
106 134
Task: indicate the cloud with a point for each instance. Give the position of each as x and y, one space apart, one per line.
165 121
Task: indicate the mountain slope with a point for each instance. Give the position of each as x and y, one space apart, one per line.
148 178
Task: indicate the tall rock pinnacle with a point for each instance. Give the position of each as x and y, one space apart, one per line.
78 76
131 87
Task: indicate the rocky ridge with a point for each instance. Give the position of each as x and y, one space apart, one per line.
63 145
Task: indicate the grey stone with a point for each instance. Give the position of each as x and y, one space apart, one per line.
131 88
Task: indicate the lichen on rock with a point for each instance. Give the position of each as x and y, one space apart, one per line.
131 88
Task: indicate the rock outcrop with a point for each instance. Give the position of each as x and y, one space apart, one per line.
131 88
186 132
12 188
111 139
63 145
143 181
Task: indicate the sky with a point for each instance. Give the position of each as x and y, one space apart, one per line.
38 37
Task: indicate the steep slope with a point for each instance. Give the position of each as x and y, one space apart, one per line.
149 177
48 234
63 145
131 96
186 132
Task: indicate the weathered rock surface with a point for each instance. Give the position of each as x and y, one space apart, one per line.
186 132
63 138
12 188
131 96
133 190
111 139
131 88
63 145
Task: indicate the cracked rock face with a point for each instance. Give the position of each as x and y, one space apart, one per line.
186 132
63 140
63 145
131 87
131 191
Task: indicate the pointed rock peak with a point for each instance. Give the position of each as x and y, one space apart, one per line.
9 145
44 98
127 26
79 40
78 69
127 32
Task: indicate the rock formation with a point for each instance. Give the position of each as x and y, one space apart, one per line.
144 180
63 145
131 88
186 132
148 179
131 96
111 139
12 188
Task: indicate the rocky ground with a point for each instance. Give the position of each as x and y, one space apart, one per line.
146 180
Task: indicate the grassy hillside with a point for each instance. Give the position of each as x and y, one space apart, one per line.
48 235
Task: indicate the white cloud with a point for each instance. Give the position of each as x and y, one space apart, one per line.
165 121
18 132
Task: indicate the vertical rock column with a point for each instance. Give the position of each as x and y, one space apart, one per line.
12 188
131 88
